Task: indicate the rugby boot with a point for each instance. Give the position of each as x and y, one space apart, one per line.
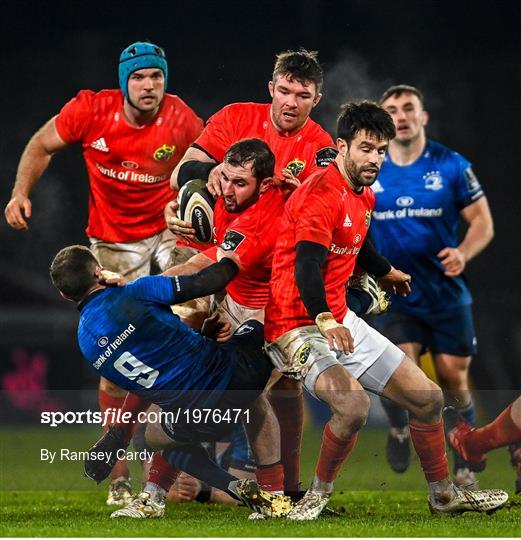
141 507
456 501
309 507
120 492
262 502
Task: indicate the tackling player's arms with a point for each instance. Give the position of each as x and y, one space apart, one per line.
210 280
33 163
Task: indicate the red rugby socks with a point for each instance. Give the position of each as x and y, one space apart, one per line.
429 442
333 453
289 410
500 432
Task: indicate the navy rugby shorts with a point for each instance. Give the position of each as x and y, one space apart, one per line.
251 374
449 332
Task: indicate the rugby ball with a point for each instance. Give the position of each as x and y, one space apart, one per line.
196 207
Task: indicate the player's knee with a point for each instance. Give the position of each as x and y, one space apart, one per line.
430 403
353 409
453 371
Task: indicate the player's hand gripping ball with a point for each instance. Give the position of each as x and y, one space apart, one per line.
196 207
102 457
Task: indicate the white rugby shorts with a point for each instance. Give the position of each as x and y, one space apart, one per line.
304 353
134 259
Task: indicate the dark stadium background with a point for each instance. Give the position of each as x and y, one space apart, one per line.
463 55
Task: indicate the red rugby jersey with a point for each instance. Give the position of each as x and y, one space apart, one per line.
326 211
251 235
301 153
129 168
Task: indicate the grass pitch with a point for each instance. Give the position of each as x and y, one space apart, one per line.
43 499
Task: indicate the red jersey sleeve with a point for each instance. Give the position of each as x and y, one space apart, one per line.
242 240
74 119
218 135
211 253
317 216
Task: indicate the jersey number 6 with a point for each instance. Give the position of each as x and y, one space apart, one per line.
140 373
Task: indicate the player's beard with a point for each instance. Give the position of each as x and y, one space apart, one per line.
234 208
356 174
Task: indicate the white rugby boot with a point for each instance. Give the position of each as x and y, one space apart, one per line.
310 506
120 492
456 501
141 507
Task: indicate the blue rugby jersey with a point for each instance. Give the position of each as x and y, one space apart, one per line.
417 214
131 337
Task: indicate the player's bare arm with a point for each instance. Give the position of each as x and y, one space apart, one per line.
192 154
193 265
479 234
33 163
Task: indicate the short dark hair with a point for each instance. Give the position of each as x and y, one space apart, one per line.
301 65
255 151
356 116
73 271
399 89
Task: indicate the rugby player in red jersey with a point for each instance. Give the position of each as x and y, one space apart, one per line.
132 138
245 231
300 146
314 337
473 443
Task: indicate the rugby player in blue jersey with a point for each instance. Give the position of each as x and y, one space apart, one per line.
423 193
131 337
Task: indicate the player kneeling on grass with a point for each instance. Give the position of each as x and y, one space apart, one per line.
130 336
313 337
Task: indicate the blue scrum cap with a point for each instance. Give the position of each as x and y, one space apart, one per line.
140 55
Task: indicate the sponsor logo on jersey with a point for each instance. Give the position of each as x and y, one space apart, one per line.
113 346
302 354
402 213
164 153
131 176
433 180
296 166
472 182
347 221
343 250
404 200
130 165
325 156
377 187
232 241
244 329
100 144
368 214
